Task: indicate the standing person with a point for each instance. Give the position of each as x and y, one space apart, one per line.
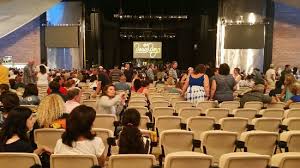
115 74
29 74
172 71
128 72
271 76
287 70
42 76
186 75
4 73
196 86
237 75
223 85
150 73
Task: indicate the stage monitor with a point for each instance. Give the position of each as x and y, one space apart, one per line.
147 49
62 37
244 36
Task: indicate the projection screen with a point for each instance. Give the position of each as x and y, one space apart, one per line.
147 50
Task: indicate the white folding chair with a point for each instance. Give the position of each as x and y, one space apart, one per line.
292 113
73 161
245 113
286 160
244 160
291 141
204 105
294 105
267 124
272 112
18 160
105 121
254 104
187 112
47 136
231 105
234 124
104 134
163 123
292 123
217 113
200 124
131 160
182 104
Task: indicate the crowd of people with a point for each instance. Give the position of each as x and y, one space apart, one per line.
62 108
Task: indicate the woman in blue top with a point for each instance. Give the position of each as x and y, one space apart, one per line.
196 87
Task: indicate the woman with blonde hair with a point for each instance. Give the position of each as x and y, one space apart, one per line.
50 112
287 91
295 89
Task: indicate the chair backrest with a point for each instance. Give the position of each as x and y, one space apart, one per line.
292 123
169 143
234 124
294 105
217 113
137 99
267 124
286 160
141 109
173 100
162 111
135 103
90 103
216 143
135 94
279 105
103 134
47 136
18 160
105 121
272 112
72 161
200 124
131 160
292 139
144 121
187 112
244 160
231 105
167 122
245 113
254 104
157 98
155 104
260 142
188 159
292 113
182 104
204 105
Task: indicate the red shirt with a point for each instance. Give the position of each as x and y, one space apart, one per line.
62 90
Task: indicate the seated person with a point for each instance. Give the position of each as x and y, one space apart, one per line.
78 137
30 95
62 90
13 135
9 101
131 139
296 91
122 85
257 94
74 96
55 89
4 88
277 90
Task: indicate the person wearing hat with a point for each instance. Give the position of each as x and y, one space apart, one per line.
270 76
257 94
4 73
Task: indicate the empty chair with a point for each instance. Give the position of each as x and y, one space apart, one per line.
267 124
141 109
217 113
105 121
291 141
86 95
272 112
216 143
131 160
294 105
260 142
136 103
144 121
254 104
72 161
188 159
18 160
157 98
279 105
47 136
181 104
292 123
155 104
104 134
137 99
286 160
176 141
90 103
166 123
292 113
199 125
244 160
134 94
245 113
231 105
204 105
162 111
173 100
188 112
234 124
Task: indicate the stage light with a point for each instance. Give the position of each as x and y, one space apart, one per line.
251 18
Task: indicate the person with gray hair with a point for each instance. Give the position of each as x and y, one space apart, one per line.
257 94
29 74
271 76
172 71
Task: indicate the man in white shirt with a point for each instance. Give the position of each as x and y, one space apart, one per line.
173 72
73 95
270 76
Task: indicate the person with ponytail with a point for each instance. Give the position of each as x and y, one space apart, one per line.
78 137
131 139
